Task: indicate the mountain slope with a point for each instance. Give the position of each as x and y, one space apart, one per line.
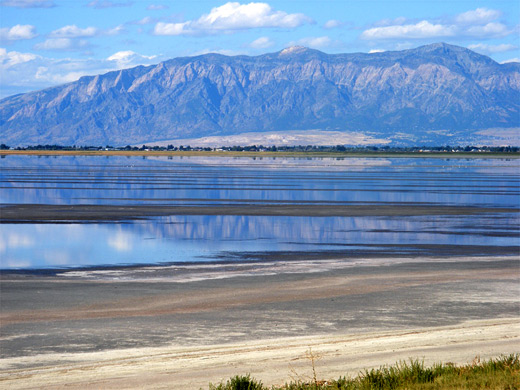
407 93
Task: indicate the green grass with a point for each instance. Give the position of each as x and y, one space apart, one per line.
239 383
495 374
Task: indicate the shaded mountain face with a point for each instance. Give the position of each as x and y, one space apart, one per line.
434 89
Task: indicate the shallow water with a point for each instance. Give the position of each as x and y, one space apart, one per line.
185 181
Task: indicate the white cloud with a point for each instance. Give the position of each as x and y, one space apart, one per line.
47 75
100 4
18 32
156 7
485 48
73 31
234 16
12 58
28 3
262 43
128 58
24 72
332 24
376 51
68 38
489 30
479 15
162 28
66 44
478 23
116 30
145 20
314 42
423 29
511 60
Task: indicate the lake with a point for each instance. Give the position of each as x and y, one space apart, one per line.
225 210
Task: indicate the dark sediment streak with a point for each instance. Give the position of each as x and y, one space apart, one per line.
31 213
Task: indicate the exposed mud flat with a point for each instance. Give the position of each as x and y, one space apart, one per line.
121 328
96 213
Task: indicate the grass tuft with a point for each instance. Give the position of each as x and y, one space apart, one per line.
244 382
495 374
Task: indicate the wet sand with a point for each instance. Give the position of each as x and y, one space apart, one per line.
143 328
30 213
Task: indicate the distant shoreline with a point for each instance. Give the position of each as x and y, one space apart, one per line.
363 154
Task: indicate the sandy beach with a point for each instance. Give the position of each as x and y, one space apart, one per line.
144 328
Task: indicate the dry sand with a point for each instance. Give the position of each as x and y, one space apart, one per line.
274 361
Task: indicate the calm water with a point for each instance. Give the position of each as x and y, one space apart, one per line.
213 181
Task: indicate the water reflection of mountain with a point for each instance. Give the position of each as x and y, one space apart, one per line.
306 163
187 181
304 231
195 238
132 180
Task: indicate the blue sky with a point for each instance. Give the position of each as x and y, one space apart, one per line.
50 42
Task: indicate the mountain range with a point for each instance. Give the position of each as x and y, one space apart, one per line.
433 94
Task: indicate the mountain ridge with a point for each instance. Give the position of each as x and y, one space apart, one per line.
399 95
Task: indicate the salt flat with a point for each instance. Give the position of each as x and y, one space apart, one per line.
90 329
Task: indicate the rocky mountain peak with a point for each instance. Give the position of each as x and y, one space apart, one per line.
291 50
417 95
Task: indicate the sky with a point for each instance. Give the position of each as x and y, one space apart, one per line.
50 42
